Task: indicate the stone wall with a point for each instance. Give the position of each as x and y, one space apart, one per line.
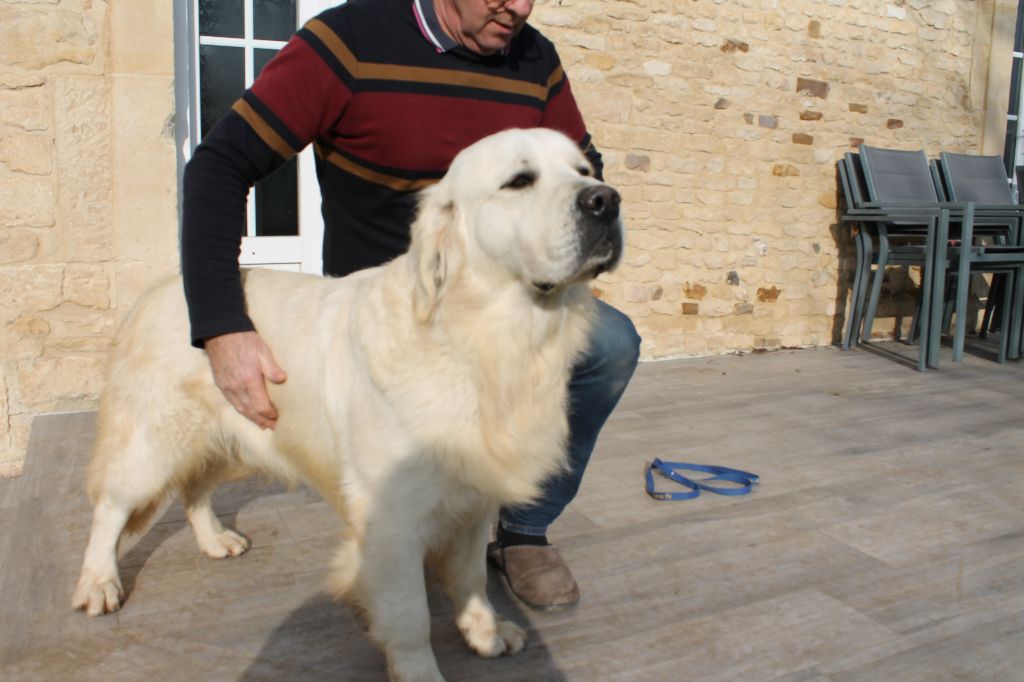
720 122
87 205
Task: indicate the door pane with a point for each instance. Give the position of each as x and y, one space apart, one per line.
273 19
222 18
221 82
277 197
277 201
260 57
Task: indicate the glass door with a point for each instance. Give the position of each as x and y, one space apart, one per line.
234 40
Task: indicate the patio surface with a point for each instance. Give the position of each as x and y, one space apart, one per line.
885 543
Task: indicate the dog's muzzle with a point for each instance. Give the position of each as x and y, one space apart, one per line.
599 234
600 231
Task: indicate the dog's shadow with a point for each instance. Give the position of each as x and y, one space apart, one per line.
323 640
171 524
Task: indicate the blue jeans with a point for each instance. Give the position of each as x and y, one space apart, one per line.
598 382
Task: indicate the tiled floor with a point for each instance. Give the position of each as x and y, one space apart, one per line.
883 544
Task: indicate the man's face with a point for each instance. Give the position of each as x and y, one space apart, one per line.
487 26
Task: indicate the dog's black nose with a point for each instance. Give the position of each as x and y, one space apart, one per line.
599 201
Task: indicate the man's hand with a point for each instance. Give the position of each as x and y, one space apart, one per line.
241 364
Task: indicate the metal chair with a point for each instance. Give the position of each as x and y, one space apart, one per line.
982 179
896 178
891 233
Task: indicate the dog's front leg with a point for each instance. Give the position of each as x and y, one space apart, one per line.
465 574
390 586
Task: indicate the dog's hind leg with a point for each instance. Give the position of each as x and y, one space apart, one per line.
213 538
99 587
464 567
128 480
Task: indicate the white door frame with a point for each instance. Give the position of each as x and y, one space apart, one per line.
303 252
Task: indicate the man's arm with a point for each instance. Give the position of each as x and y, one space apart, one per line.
295 99
562 113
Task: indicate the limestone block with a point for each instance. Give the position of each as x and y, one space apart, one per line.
36 38
610 105
656 67
142 37
28 327
12 460
5 414
144 170
47 384
30 153
136 278
87 285
24 102
17 246
83 133
29 288
27 200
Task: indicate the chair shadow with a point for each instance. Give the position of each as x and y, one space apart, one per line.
908 361
896 297
847 258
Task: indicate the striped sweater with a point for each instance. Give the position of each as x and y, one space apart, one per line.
388 100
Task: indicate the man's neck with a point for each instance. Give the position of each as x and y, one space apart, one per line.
451 24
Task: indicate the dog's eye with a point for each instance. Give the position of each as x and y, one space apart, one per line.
584 171
521 181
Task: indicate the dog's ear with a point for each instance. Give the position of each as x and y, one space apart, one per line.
435 250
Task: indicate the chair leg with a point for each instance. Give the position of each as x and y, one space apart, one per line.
1004 337
962 289
1014 313
936 265
915 322
995 291
947 305
876 286
856 297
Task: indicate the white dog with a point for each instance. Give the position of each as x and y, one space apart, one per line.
421 395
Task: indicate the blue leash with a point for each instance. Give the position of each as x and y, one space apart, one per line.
744 479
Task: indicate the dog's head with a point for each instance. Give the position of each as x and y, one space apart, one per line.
522 206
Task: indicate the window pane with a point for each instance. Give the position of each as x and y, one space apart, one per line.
277 202
273 19
221 82
224 18
260 57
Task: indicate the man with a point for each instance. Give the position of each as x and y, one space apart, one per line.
390 91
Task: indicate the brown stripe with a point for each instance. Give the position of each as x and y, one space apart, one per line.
556 77
335 45
263 129
418 74
395 183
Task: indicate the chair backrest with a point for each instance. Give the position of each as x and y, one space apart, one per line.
938 178
852 176
981 179
897 175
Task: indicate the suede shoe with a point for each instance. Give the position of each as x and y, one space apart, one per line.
537 575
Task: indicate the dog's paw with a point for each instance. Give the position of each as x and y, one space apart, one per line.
97 596
224 543
513 636
505 637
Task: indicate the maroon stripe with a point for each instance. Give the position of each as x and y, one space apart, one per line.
303 91
562 114
411 132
